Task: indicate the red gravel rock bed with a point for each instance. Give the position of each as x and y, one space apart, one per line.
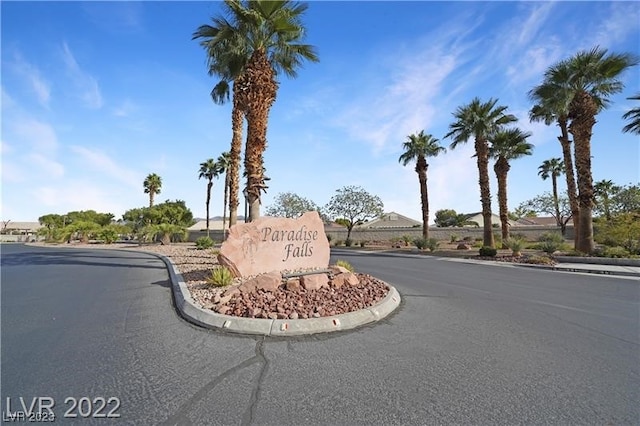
301 303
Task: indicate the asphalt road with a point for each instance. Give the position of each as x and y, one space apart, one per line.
471 344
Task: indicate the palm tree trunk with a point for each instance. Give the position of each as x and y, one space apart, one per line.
583 111
261 93
482 153
556 203
209 185
151 199
421 169
224 214
237 116
569 173
501 167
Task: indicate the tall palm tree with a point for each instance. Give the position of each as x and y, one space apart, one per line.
594 75
507 145
208 170
224 164
417 148
265 38
552 99
634 116
152 185
480 120
604 191
552 168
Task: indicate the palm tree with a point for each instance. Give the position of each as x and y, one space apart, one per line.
152 185
634 116
208 170
604 190
507 145
418 147
553 168
480 120
593 76
552 99
261 39
224 165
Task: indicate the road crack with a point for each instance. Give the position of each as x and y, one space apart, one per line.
249 414
180 416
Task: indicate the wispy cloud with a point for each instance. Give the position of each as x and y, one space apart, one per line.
46 165
115 17
101 162
622 20
125 109
35 134
86 84
32 76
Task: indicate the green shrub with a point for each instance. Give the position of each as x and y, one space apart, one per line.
539 260
220 276
363 243
469 238
348 242
617 252
487 251
497 238
550 247
407 239
555 237
108 235
345 265
453 238
432 244
420 243
516 245
623 230
204 243
338 243
479 239
329 237
477 244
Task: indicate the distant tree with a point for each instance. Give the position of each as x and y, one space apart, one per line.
343 222
604 191
51 221
633 115
169 212
208 170
354 204
101 219
290 205
545 203
450 218
479 121
521 212
152 185
417 148
553 168
224 166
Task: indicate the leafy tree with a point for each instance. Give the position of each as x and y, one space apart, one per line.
450 218
546 204
51 221
208 170
290 205
169 212
520 212
588 78
102 219
166 232
84 230
152 185
507 145
480 120
633 115
604 190
626 200
553 168
258 40
417 148
622 230
354 204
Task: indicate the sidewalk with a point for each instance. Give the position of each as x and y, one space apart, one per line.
629 271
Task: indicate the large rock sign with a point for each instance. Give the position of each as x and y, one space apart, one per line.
276 244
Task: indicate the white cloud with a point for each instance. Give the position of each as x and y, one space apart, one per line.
36 134
621 22
31 75
85 83
125 109
101 162
46 165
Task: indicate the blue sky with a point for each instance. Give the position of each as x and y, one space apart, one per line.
95 96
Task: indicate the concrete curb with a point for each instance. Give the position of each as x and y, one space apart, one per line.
598 260
268 327
584 270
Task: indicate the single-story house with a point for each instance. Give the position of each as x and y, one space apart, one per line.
391 220
20 228
540 221
478 218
